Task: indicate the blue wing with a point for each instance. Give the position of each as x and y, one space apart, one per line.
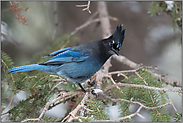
56 52
66 56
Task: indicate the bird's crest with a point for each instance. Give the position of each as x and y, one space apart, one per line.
119 35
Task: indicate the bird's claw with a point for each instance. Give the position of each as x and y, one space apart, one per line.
93 92
91 84
96 91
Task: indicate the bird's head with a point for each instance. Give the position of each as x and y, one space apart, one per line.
116 40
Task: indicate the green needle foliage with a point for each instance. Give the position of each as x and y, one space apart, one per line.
177 117
149 98
49 119
98 112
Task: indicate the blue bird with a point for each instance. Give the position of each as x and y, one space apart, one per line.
79 63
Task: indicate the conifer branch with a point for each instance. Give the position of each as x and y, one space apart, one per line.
61 81
60 98
142 86
8 68
78 108
136 66
133 114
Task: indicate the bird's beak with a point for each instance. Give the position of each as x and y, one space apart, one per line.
115 51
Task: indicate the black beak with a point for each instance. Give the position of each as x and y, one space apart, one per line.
115 51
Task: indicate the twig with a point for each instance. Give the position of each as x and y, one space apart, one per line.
8 105
130 71
142 86
123 118
36 119
8 68
90 21
131 115
134 65
141 78
13 82
115 83
87 7
53 89
84 25
135 102
79 118
172 105
78 108
63 96
87 109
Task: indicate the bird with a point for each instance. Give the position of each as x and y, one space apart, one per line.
79 63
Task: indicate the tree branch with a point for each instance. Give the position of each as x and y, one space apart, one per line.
63 80
78 108
131 115
87 7
134 65
62 97
142 86
105 25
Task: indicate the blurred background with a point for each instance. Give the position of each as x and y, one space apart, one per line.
150 40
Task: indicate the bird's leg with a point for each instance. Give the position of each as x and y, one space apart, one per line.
92 80
81 88
91 83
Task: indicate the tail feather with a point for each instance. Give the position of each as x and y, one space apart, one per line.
26 68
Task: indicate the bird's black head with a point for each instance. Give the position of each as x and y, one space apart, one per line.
116 40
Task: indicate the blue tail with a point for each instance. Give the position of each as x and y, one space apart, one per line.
26 68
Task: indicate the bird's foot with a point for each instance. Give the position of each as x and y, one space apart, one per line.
91 83
96 91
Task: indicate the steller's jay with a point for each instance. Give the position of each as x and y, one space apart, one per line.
79 63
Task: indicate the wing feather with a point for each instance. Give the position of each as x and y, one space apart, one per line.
66 56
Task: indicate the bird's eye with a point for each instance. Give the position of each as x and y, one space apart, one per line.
115 45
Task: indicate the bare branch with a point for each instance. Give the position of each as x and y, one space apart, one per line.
90 21
126 61
84 25
79 118
87 7
105 26
36 119
78 108
115 83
